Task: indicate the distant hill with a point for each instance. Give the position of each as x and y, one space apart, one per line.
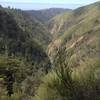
30 25
46 14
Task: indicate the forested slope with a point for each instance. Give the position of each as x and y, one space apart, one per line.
20 57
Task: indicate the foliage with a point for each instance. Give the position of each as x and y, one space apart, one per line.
30 25
21 56
25 65
46 14
66 83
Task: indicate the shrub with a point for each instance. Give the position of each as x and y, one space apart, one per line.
65 83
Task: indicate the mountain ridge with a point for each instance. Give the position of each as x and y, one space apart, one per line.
46 14
82 21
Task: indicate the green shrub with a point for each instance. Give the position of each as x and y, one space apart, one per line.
65 83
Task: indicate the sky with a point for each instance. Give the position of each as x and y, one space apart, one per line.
43 4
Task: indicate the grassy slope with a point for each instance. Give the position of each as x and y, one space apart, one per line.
56 23
81 35
77 66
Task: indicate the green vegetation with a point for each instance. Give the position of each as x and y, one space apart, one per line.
22 59
79 32
30 25
46 14
66 83
66 69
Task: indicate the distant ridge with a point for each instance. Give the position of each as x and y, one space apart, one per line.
46 14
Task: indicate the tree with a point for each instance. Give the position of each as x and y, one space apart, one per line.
8 69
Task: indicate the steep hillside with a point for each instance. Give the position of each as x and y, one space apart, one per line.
47 14
75 55
31 25
56 23
20 57
79 32
61 23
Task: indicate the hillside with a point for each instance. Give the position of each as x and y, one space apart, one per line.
56 23
51 54
75 55
46 14
31 25
79 30
20 56
60 23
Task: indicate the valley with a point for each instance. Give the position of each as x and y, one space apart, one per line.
50 54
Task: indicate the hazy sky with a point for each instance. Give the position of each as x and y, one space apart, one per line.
41 4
